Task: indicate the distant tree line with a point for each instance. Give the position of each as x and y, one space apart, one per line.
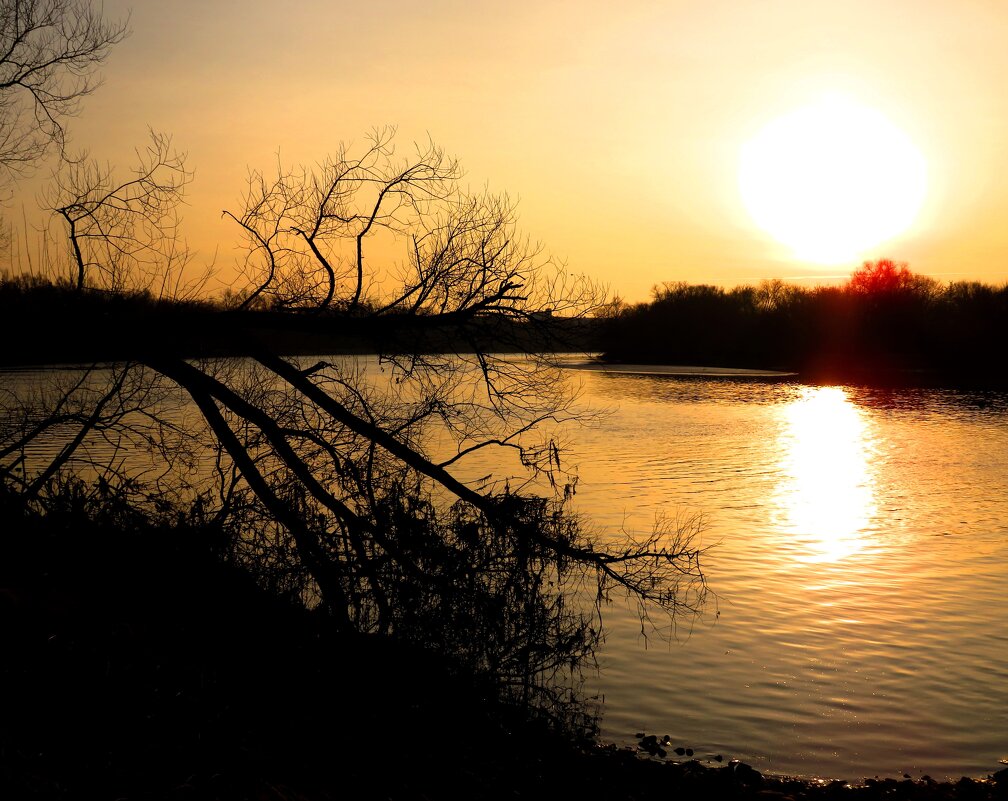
884 322
58 322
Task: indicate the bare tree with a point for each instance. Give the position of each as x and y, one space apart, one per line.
49 51
348 480
123 234
308 229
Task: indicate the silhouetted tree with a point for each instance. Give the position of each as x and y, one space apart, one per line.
347 484
326 482
49 51
887 277
124 233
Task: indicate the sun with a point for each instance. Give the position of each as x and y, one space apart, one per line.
832 180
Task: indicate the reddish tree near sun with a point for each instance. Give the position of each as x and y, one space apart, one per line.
882 276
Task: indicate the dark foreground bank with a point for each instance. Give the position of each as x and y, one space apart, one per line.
142 665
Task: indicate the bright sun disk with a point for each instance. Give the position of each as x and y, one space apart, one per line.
832 180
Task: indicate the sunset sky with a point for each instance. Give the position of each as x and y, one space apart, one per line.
619 128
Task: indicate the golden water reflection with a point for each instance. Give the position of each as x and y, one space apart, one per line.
826 493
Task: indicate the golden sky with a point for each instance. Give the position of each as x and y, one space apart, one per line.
618 126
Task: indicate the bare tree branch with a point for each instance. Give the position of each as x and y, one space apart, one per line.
343 480
124 233
49 52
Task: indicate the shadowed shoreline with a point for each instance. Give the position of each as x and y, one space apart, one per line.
142 665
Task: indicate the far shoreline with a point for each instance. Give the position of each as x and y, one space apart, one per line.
678 370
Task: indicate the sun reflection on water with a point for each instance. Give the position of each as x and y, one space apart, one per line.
826 493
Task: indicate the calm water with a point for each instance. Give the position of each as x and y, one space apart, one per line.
860 567
859 619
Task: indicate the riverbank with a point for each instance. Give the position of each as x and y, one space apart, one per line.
677 370
141 665
819 375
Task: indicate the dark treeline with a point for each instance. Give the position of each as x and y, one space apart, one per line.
56 322
885 323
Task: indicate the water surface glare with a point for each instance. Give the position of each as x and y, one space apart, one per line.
860 560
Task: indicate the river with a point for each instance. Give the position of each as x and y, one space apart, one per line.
857 562
859 567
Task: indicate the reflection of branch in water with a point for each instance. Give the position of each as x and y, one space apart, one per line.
353 506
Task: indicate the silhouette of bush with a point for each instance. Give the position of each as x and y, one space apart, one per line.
145 654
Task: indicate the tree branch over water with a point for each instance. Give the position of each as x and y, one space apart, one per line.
351 482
